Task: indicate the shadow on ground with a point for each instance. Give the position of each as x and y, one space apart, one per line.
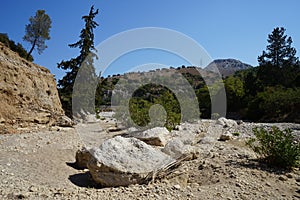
83 180
257 164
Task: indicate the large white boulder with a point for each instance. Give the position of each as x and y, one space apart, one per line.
123 161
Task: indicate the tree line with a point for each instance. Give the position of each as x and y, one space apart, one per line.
269 92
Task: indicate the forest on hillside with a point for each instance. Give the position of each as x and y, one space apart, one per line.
269 92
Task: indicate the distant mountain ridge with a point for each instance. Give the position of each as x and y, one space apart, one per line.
227 67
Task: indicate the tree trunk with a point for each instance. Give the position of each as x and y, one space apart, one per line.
33 45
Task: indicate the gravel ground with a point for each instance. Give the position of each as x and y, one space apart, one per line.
39 165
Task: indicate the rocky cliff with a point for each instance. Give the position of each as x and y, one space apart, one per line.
28 93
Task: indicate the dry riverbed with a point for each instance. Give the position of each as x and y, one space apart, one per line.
39 165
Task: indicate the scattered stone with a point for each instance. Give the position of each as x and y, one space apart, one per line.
289 175
268 184
23 195
157 136
239 122
226 136
226 123
124 161
207 140
2 120
176 148
64 121
33 189
282 178
177 187
238 185
114 129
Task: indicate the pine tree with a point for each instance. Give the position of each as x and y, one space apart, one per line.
279 52
84 63
37 31
278 64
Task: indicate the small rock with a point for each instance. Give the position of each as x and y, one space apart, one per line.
33 189
282 178
157 136
2 120
23 195
114 129
64 121
239 122
226 122
268 184
238 185
176 148
289 175
226 136
177 187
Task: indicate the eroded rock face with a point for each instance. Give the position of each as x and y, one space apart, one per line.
123 161
28 93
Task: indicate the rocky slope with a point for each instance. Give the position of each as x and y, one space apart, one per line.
28 93
227 67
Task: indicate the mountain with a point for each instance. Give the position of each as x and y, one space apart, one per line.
227 67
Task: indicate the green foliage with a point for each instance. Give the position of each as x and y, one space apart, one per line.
204 102
84 61
276 147
18 48
269 92
236 134
275 103
37 31
235 92
141 103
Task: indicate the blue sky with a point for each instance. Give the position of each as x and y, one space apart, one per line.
226 29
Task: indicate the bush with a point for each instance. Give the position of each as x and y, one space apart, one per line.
276 147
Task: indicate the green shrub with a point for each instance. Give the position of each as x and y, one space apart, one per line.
276 147
236 134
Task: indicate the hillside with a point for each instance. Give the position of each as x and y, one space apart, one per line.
28 94
227 67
